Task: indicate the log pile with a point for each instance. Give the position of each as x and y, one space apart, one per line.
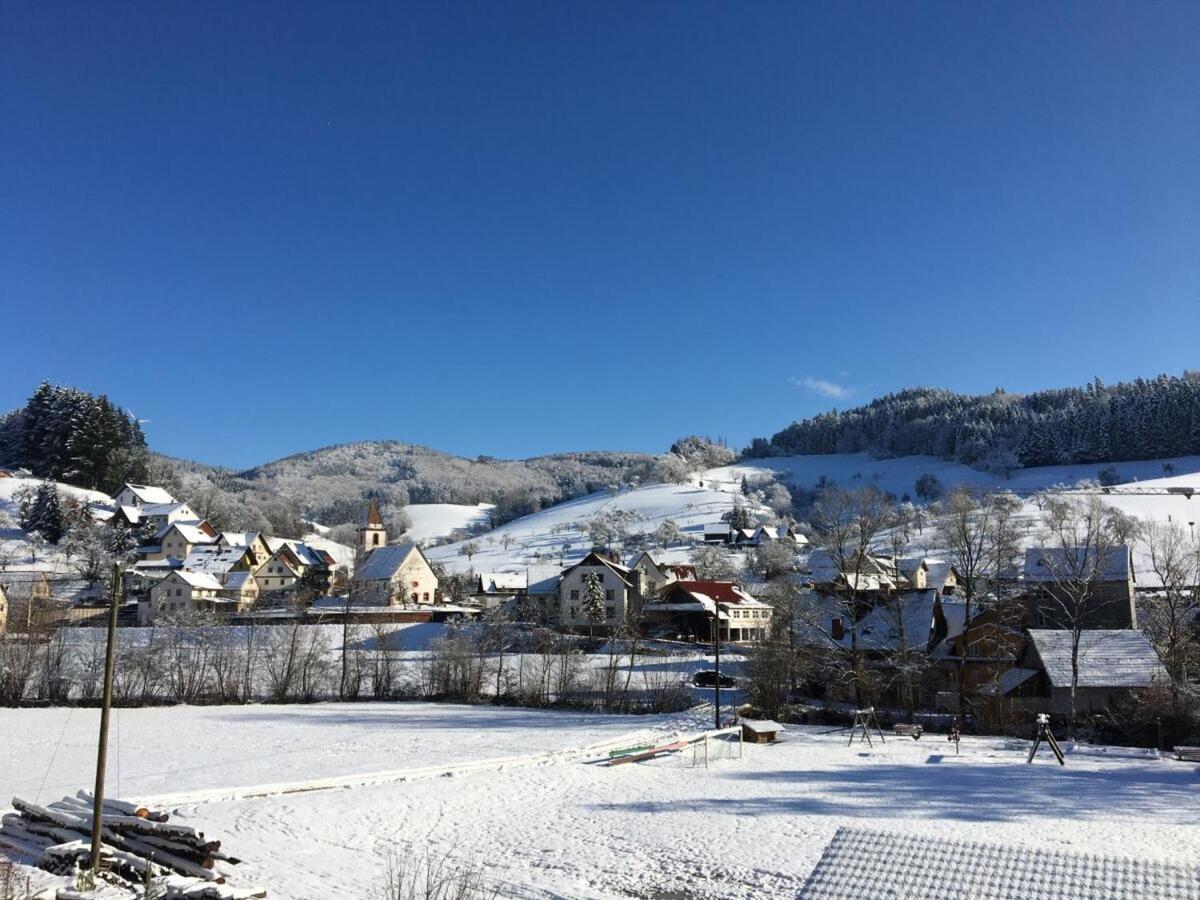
139 846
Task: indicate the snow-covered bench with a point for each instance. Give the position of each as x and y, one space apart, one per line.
906 730
1188 754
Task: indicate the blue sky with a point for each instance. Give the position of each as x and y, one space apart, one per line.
517 228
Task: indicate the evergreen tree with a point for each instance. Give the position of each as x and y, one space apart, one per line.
44 513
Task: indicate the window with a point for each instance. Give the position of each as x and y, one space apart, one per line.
414 597
374 540
427 596
178 592
608 595
574 596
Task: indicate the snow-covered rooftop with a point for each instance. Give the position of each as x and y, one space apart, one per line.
863 864
1110 658
493 582
383 562
1077 563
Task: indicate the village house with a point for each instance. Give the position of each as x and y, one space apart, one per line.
179 593
1112 664
178 539
651 576
718 533
858 573
240 589
395 575
251 540
139 495
492 589
1094 585
685 610
156 516
614 580
292 564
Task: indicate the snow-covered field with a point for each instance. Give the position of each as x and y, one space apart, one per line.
481 786
431 521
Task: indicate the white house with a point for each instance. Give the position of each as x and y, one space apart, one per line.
177 540
139 495
181 592
615 580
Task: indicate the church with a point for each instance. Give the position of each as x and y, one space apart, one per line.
395 575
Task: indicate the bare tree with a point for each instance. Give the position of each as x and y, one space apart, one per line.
1173 610
848 525
979 536
1081 548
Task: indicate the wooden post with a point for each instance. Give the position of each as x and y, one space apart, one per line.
717 645
102 752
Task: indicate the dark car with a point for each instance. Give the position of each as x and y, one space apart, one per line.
709 678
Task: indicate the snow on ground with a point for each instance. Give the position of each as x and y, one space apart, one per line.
563 826
540 537
431 521
16 553
899 475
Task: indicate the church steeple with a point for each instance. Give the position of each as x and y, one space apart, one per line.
371 533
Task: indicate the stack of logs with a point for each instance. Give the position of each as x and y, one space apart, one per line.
139 847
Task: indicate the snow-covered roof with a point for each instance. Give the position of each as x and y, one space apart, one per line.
384 562
761 726
148 494
235 581
1013 678
542 579
723 592
304 553
910 613
239 538
1077 563
216 559
494 582
1108 658
870 575
198 580
595 559
193 533
864 864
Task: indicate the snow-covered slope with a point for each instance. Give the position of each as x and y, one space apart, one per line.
899 475
541 537
17 555
431 521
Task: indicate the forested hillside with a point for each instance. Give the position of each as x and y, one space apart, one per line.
69 435
331 483
1142 419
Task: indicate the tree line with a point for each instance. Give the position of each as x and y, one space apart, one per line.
69 435
1142 419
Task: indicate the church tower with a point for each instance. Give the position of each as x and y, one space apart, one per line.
371 534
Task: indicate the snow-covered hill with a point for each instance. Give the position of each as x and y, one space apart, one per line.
899 475
539 538
560 531
431 521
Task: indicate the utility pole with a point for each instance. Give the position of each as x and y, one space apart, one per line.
102 753
717 646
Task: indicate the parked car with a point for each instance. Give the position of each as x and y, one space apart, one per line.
709 678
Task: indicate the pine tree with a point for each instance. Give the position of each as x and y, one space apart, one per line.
593 601
44 514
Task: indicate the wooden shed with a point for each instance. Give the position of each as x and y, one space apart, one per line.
760 731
